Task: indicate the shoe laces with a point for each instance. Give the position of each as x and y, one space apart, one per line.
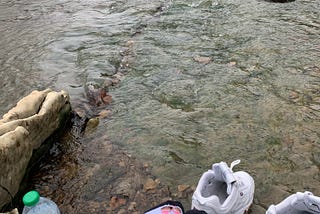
234 163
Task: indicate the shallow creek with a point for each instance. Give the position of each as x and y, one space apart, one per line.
193 83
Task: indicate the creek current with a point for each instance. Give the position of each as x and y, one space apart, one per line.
197 82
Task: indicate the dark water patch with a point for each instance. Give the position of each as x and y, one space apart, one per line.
280 1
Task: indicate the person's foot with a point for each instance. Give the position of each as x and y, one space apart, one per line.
297 203
221 191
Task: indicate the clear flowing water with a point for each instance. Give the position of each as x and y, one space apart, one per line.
202 82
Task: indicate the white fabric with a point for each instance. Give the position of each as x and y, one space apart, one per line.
220 191
297 203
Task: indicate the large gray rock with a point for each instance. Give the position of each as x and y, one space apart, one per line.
22 130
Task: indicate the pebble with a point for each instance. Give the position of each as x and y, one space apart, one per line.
183 187
202 59
150 184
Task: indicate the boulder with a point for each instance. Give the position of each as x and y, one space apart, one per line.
22 130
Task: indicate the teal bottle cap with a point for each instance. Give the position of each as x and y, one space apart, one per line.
31 198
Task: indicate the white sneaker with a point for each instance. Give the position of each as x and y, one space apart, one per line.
220 191
297 204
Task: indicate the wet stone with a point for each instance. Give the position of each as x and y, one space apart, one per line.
232 64
92 124
202 59
104 113
116 202
183 187
132 206
150 184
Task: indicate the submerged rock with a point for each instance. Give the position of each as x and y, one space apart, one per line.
22 130
14 211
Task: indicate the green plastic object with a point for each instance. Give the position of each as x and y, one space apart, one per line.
31 198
